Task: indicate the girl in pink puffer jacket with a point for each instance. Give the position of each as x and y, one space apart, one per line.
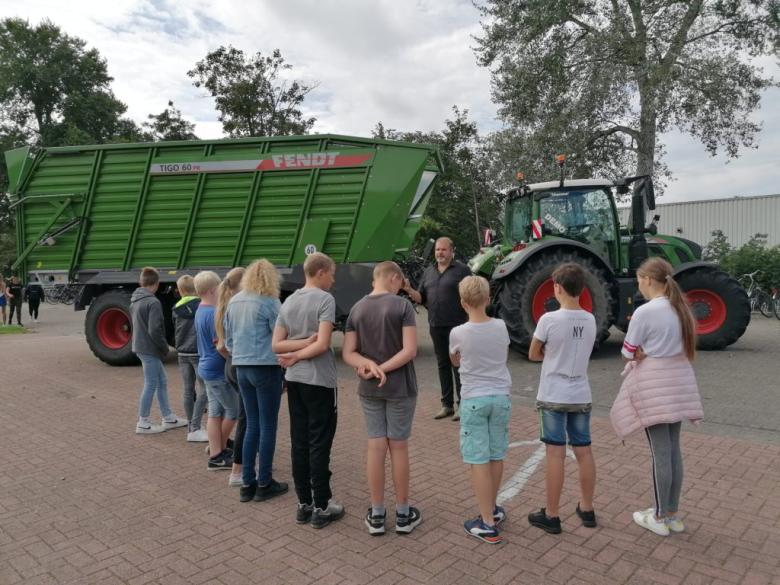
659 388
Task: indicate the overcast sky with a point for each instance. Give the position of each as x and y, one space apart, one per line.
402 62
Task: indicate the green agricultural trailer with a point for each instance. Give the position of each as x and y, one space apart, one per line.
90 217
577 221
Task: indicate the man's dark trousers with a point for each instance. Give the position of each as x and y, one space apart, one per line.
313 418
441 347
15 304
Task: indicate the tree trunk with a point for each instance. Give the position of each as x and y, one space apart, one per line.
647 133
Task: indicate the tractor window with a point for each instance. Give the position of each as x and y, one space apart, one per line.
585 214
518 222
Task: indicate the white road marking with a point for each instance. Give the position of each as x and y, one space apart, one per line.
515 484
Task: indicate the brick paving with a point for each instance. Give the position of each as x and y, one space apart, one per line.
84 500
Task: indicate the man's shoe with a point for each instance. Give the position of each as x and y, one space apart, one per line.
405 523
647 519
221 462
321 518
588 517
273 489
541 520
444 412
172 422
148 428
499 515
375 524
456 414
303 513
247 492
199 436
478 529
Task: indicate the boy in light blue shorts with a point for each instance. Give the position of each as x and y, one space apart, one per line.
479 348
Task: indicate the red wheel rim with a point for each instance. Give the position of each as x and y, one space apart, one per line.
544 300
708 308
113 328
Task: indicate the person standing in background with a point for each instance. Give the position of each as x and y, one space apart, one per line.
33 294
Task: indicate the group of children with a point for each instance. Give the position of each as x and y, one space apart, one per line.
272 345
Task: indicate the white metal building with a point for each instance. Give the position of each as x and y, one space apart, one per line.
740 218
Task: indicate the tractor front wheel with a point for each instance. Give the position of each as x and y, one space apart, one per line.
528 293
719 304
109 329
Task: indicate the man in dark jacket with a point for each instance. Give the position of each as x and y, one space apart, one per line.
33 294
438 292
150 345
187 348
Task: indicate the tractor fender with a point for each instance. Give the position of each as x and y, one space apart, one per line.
517 259
696 264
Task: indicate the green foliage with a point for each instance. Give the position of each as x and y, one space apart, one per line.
752 256
718 248
169 125
600 80
252 95
463 186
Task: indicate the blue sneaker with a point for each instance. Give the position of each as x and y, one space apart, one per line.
499 515
478 529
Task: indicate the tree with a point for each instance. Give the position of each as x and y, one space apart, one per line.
251 94
603 79
53 88
718 248
464 201
169 125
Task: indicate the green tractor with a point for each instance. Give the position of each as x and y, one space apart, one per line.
577 221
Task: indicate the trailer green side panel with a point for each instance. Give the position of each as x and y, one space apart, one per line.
199 204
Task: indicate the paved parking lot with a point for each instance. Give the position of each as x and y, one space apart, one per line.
84 500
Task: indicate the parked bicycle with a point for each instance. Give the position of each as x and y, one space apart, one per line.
760 300
65 294
776 301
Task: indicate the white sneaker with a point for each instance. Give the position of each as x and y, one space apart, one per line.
647 519
675 524
235 480
199 436
145 427
171 422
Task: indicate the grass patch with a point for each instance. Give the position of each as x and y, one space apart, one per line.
11 329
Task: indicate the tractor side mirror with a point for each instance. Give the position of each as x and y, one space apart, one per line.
428 249
648 192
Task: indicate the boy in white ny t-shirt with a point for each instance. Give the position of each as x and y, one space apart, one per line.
479 348
563 341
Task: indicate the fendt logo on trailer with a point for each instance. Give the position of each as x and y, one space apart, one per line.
274 162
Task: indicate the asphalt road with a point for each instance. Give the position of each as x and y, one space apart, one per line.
740 386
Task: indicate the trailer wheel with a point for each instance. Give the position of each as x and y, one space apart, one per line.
109 329
528 293
719 304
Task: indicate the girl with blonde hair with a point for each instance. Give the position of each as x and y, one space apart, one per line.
229 286
659 390
249 324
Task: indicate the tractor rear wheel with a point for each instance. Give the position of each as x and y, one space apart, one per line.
108 328
719 304
528 293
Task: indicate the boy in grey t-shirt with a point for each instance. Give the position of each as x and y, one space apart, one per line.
301 339
380 343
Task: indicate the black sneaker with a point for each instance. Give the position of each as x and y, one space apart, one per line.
220 462
247 492
405 523
542 520
588 518
375 524
321 518
303 513
273 489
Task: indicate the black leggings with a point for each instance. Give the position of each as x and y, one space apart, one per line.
32 305
15 304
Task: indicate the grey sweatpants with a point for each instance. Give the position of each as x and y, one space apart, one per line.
667 466
194 403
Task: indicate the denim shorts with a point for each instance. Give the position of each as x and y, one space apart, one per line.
223 400
484 428
389 417
556 426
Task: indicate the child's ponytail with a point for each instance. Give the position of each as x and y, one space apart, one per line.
227 288
661 271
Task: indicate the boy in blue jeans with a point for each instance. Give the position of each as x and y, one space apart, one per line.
479 348
563 341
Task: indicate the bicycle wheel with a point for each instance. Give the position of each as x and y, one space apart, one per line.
777 306
765 304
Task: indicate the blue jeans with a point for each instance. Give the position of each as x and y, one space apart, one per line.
261 390
154 381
